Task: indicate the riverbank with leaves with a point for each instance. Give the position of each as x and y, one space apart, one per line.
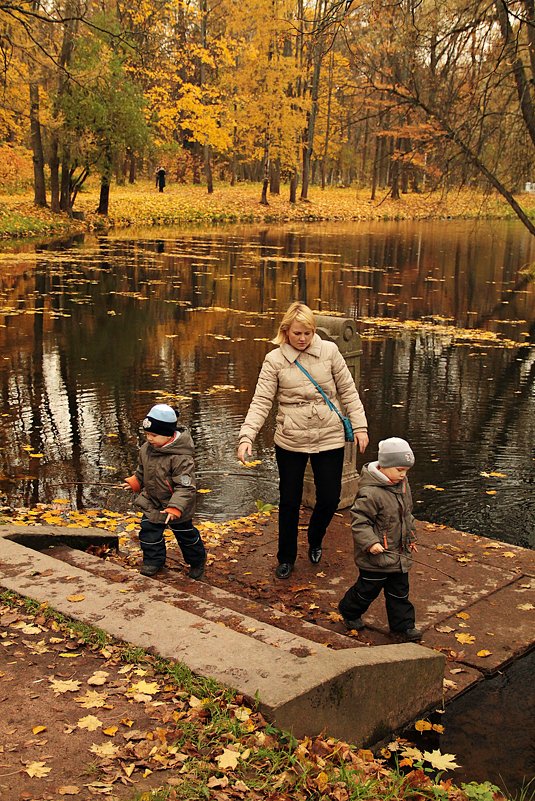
101 718
142 205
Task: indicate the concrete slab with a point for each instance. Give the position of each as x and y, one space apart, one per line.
345 693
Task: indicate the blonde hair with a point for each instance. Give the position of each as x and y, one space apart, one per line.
297 311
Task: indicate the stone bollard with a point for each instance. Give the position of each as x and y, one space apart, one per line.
340 330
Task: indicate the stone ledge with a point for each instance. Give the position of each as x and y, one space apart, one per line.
346 693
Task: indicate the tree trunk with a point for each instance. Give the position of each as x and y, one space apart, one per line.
65 182
132 170
39 186
104 199
54 174
275 177
208 169
293 187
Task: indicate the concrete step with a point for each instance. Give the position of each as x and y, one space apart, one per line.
302 686
211 603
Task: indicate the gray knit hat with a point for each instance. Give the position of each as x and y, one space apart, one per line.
395 452
161 419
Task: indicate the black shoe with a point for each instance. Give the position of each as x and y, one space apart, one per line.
150 570
283 570
356 624
412 635
314 554
196 571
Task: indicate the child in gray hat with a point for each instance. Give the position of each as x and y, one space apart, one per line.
383 536
164 483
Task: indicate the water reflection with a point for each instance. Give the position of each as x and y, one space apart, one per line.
93 334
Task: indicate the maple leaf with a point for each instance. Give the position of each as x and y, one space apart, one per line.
412 753
98 678
145 687
69 686
90 722
107 749
440 761
228 759
484 653
465 639
37 770
92 699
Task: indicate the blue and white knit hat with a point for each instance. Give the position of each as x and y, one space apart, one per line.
161 419
395 452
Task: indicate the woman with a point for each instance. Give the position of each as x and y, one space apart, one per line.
306 427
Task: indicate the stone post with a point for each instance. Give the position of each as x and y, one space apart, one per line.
342 331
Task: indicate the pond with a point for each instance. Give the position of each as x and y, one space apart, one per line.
93 332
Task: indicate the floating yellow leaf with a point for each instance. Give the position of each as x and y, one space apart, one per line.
423 725
440 761
203 491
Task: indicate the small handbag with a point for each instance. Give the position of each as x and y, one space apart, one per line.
348 428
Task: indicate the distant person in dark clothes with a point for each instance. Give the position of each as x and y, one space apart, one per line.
160 178
383 537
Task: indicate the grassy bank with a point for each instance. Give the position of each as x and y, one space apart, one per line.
141 204
115 720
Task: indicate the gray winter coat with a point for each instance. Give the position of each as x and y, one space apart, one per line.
304 421
382 513
167 478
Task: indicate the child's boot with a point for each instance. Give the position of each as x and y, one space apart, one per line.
196 572
150 570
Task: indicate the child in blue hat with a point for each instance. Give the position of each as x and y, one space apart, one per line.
165 488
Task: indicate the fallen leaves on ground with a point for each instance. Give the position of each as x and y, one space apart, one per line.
193 733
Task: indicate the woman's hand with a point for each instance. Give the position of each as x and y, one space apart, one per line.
245 449
362 439
376 548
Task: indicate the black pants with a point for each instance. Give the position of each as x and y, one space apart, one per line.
399 609
153 544
327 469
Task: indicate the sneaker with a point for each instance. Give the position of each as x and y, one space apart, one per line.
357 624
314 554
150 570
283 570
196 571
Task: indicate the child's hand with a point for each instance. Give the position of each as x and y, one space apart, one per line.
413 546
376 548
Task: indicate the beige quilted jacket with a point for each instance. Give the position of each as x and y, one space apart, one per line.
304 421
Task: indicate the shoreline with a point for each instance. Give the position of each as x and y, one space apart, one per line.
141 205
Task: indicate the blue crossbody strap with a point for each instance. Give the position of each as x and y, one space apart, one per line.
329 403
